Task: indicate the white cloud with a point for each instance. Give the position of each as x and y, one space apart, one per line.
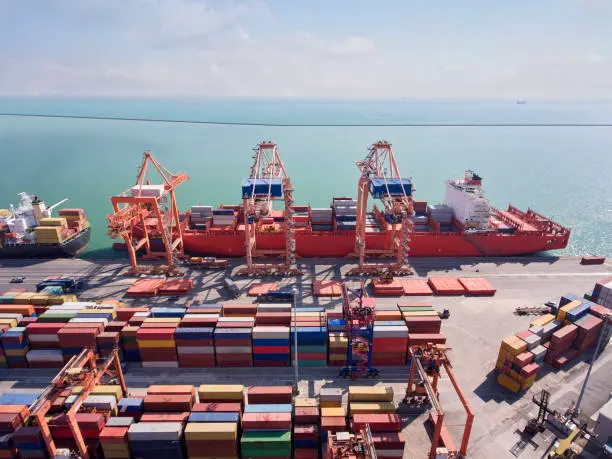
233 48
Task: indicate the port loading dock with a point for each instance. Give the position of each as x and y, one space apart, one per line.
474 331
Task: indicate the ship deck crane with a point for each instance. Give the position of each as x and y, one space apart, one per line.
134 211
359 316
428 360
381 178
268 181
81 370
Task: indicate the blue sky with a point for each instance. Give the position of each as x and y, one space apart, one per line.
314 48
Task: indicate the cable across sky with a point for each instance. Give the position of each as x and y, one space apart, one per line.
310 125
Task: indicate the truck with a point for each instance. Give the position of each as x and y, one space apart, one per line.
67 283
282 295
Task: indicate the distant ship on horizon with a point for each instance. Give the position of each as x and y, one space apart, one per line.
521 102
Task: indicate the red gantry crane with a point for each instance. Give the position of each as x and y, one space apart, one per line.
345 445
268 181
381 178
428 360
147 211
82 370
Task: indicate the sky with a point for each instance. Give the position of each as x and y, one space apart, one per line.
307 48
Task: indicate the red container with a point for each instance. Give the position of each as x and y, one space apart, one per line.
272 363
10 421
424 338
114 435
171 389
306 432
269 394
236 324
157 355
529 370
44 328
566 333
155 333
271 350
389 440
305 453
175 402
423 324
239 309
599 311
377 422
524 358
524 334
306 415
273 318
333 424
272 421
196 360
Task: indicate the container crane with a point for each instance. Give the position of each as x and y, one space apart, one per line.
81 370
268 181
359 316
381 178
345 445
149 210
428 360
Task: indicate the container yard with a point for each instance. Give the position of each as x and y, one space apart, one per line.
214 343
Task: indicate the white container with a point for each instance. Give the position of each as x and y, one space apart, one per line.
143 431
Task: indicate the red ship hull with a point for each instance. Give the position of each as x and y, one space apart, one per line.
541 235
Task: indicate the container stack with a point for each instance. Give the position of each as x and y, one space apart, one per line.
510 348
152 440
16 347
114 442
322 219
306 431
441 213
331 398
338 349
45 358
51 230
215 439
130 407
589 328
271 346
129 343
311 343
156 344
602 293
44 335
216 393
273 314
200 216
222 218
390 343
234 342
370 400
107 341
75 218
73 337
195 346
560 351
345 210
169 399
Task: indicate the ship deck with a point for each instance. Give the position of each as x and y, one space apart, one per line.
474 331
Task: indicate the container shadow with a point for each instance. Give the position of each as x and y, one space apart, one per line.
423 266
490 391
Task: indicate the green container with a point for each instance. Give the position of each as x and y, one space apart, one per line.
312 363
310 349
55 317
266 444
417 309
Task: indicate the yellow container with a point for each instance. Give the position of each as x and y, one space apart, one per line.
338 411
567 308
337 356
221 392
543 320
59 221
306 402
509 383
156 343
40 299
10 322
55 300
329 403
378 393
372 408
24 298
338 341
5 213
513 345
211 431
108 390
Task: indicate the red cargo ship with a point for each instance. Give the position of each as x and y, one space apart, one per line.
465 226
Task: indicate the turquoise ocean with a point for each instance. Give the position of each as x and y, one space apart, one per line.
562 172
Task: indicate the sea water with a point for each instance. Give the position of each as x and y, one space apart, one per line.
563 172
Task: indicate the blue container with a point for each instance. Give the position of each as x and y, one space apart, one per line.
380 188
18 399
267 408
565 299
205 306
264 186
578 312
168 312
131 405
223 212
214 417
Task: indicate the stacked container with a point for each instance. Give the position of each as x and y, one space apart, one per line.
510 348
331 398
156 343
114 442
443 214
602 293
322 219
345 210
233 343
129 343
213 439
338 349
271 346
306 431
390 343
311 341
16 347
273 314
223 217
560 351
200 216
195 346
156 439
